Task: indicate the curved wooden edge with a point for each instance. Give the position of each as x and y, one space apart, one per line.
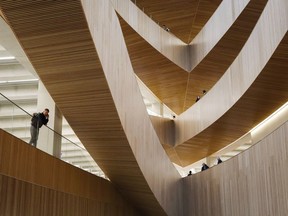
121 139
134 118
166 43
158 72
251 183
221 99
217 26
24 198
2 15
223 51
24 162
193 53
155 70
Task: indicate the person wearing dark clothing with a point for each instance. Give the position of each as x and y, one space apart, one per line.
190 173
37 120
204 167
219 160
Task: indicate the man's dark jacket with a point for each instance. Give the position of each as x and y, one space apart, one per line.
38 119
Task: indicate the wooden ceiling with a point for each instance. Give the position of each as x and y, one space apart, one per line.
184 18
64 55
165 79
267 93
174 86
56 39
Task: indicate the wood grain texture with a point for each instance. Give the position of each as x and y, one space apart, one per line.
136 123
253 87
104 108
164 78
185 18
30 177
218 54
210 53
1 14
253 183
166 43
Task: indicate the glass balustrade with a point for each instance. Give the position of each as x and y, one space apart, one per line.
17 122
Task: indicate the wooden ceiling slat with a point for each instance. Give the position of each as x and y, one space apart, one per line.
184 18
260 76
59 44
171 84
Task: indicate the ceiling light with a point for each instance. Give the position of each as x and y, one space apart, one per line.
7 58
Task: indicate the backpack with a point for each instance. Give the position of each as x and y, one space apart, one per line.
35 120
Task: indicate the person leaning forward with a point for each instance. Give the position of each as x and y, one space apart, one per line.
37 120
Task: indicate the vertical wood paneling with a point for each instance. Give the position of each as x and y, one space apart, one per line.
231 108
110 119
166 43
137 125
253 183
26 199
210 54
35 183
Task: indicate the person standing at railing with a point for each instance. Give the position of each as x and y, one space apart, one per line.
37 120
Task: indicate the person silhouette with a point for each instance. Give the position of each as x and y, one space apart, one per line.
219 160
204 167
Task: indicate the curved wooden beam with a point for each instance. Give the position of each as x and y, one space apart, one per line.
167 44
210 56
141 136
209 64
98 95
251 183
185 18
23 162
255 79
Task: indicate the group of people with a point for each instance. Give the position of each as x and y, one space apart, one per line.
198 97
205 166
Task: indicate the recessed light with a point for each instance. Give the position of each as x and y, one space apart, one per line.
7 58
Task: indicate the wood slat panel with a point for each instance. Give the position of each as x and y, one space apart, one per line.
45 179
165 79
233 114
132 112
26 199
61 49
210 57
251 183
185 18
212 67
167 44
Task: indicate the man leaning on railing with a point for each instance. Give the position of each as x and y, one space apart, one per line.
37 120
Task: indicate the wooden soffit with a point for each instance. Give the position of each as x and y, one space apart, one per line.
57 38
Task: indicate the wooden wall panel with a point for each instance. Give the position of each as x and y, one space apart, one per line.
103 105
214 56
185 18
27 199
226 113
210 53
155 70
132 112
33 182
164 128
165 43
253 183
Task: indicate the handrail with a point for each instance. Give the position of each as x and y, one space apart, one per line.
44 125
16 123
